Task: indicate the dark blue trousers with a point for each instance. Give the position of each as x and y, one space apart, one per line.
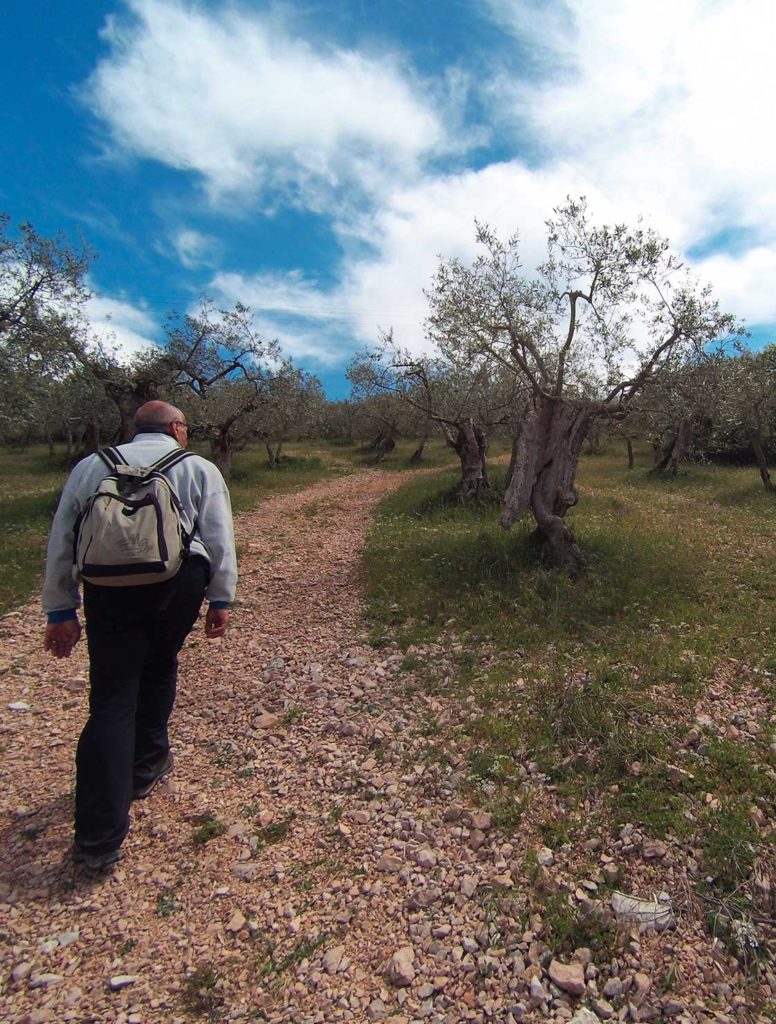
134 635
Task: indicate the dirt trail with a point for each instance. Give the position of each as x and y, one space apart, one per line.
305 863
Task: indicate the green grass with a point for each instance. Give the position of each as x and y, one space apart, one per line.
679 581
29 488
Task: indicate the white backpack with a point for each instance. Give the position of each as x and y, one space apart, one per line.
130 530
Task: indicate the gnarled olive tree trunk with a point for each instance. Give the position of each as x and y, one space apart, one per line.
470 442
756 441
222 449
676 448
545 465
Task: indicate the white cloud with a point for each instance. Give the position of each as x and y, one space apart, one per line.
744 282
657 109
311 325
243 103
193 248
410 230
653 109
662 102
119 323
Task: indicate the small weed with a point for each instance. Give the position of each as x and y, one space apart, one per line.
126 947
167 903
292 714
246 773
209 828
269 964
728 840
557 832
200 994
507 811
303 950
276 832
570 928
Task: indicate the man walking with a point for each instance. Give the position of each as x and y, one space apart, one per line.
134 633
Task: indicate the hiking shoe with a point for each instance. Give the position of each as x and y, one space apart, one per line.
141 792
94 861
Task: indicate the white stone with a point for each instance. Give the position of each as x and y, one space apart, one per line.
120 981
649 913
585 1016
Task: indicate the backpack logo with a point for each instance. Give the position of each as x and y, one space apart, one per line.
134 544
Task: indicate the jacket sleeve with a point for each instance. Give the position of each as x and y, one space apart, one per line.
60 589
215 530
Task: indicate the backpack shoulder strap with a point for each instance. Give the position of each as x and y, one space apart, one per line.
169 460
112 457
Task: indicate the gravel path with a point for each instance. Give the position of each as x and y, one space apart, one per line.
306 863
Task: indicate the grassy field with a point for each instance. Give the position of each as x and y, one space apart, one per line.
31 480
598 679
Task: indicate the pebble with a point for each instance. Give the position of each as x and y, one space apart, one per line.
21 971
468 886
426 858
266 721
44 980
545 857
642 986
120 981
389 863
401 969
585 1016
236 922
653 849
568 977
245 872
613 988
333 958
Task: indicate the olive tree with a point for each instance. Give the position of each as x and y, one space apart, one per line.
292 400
746 411
585 332
219 361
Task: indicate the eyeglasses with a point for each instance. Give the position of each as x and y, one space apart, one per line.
180 424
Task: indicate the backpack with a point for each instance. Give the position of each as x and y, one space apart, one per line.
130 530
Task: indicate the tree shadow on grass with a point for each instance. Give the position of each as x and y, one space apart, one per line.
495 582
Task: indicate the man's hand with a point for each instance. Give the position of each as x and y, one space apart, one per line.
216 622
61 637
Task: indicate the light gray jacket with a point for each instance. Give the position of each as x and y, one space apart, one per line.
202 492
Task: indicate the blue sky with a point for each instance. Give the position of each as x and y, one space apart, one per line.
314 158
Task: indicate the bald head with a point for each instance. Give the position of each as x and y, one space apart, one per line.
162 418
157 416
